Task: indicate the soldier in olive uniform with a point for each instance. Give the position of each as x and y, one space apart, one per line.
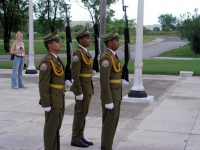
82 87
51 89
111 89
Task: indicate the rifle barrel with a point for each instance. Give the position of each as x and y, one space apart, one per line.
125 74
68 48
96 42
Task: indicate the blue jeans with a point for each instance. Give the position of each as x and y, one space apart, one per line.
18 64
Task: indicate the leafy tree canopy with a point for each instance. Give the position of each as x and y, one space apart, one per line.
189 28
156 29
93 7
167 20
13 17
50 15
120 24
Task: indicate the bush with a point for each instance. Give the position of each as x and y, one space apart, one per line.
167 28
189 29
156 29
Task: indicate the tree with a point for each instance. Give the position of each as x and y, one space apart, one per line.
120 24
13 17
93 7
156 29
50 15
1 31
189 28
145 30
167 20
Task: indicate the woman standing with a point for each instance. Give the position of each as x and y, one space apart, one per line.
18 62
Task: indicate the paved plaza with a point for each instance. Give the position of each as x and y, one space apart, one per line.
171 122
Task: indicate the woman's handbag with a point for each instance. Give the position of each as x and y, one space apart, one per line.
12 56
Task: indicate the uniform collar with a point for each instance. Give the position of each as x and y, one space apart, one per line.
54 55
111 51
83 48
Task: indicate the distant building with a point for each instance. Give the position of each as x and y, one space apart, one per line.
83 23
150 27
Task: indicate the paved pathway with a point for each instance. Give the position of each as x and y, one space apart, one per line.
171 122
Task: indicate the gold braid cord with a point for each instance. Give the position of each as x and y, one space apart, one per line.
57 72
114 67
87 62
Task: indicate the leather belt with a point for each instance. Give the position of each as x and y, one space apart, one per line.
85 75
115 81
57 86
19 56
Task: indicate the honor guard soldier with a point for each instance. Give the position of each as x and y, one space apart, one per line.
82 86
51 90
111 88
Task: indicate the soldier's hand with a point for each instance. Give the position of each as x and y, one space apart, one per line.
47 109
109 106
68 83
94 72
124 82
79 97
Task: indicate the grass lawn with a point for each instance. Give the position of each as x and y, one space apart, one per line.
40 49
185 52
162 67
154 66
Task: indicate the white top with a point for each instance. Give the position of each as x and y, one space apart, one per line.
17 48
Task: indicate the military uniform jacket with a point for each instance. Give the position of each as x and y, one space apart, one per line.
110 91
82 65
51 96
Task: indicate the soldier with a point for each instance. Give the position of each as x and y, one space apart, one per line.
111 88
82 87
51 89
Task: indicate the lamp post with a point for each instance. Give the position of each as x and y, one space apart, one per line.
137 89
137 92
103 4
31 66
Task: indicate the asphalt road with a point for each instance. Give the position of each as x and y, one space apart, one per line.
150 50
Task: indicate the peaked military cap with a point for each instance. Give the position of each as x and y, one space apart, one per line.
111 35
83 32
51 36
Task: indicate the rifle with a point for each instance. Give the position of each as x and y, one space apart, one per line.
96 42
125 74
68 75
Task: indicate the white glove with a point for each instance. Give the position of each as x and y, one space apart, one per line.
79 97
47 109
124 82
109 106
94 72
68 83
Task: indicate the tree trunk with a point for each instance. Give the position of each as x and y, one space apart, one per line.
52 28
7 38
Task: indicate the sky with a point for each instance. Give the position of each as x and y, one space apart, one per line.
152 9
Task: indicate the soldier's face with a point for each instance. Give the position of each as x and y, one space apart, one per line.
115 44
85 41
55 46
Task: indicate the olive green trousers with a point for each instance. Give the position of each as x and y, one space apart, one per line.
53 122
80 112
109 125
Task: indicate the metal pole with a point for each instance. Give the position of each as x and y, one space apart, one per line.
31 66
103 4
137 89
